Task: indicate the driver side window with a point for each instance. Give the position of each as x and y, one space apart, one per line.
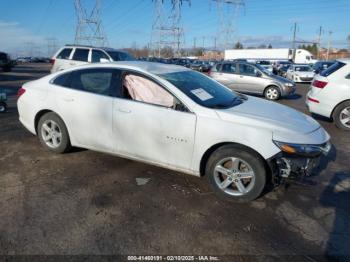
138 88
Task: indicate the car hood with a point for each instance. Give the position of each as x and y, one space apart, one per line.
305 74
283 121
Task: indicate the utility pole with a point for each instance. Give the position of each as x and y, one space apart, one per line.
319 42
329 43
203 41
294 37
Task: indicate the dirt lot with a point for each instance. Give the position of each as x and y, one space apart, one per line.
89 203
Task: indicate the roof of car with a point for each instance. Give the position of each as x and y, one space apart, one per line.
96 47
151 67
344 60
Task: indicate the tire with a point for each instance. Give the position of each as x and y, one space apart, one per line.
272 93
3 107
53 134
341 116
248 164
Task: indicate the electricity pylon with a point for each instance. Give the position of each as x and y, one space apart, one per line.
167 31
228 11
89 29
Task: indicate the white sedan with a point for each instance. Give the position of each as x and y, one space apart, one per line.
173 117
300 73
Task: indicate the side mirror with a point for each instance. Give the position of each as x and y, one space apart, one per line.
258 74
104 60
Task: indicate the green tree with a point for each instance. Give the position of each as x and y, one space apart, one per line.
238 45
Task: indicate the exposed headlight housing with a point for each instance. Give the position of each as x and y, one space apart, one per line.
303 149
289 84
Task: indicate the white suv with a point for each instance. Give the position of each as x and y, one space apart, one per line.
329 94
75 55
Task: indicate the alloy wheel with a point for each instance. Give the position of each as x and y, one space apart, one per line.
344 117
51 134
234 176
272 93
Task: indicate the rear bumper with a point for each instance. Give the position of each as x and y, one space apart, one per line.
315 106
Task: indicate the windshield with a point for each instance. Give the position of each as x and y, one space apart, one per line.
203 90
120 56
303 68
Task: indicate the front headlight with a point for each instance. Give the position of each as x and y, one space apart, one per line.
289 84
303 149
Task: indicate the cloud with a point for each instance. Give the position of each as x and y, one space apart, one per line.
16 39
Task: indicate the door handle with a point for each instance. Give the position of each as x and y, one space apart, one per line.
124 110
68 99
72 64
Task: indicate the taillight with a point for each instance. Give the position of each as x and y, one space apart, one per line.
319 84
52 61
209 72
20 92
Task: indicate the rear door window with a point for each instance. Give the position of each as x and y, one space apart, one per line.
229 68
102 81
97 55
62 80
64 54
81 54
333 68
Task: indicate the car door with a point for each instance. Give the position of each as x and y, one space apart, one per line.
80 57
152 131
250 79
228 76
85 101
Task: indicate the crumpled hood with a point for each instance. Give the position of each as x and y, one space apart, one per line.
270 115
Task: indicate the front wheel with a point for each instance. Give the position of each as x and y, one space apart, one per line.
341 116
236 173
53 133
272 93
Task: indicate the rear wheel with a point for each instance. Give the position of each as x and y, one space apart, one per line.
53 133
236 173
272 93
341 116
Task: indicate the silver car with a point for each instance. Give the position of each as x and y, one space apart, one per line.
249 78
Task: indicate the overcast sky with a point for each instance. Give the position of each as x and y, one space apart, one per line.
27 24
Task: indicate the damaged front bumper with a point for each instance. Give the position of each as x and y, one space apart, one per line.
297 160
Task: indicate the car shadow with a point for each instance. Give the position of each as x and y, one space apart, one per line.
292 97
336 196
321 118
